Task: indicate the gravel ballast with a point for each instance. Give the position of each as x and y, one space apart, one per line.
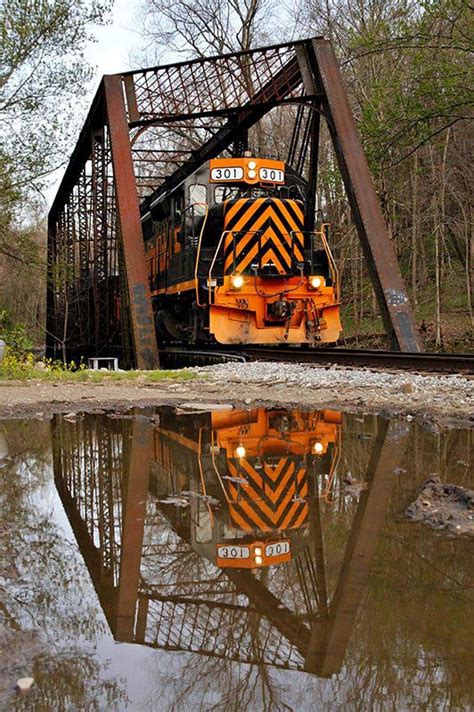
442 400
449 396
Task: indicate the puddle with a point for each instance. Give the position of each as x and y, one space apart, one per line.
233 560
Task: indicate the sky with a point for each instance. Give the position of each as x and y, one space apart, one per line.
116 41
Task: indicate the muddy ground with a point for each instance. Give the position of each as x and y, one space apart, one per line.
444 506
436 401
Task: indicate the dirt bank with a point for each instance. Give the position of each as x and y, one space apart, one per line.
440 401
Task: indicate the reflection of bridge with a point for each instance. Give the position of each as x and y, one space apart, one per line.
156 590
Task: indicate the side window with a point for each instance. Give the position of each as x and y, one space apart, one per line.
224 192
198 194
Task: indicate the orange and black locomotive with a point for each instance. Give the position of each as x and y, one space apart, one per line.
229 259
249 478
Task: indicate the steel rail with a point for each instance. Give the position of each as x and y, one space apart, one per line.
434 362
362 358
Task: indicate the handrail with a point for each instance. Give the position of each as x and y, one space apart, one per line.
196 283
201 475
216 469
327 249
226 232
332 261
326 495
321 234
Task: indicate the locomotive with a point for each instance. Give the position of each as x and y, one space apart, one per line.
249 477
229 259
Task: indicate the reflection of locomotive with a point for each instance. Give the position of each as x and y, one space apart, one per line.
229 259
246 474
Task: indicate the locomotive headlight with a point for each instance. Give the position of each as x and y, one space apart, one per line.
258 560
240 451
257 551
316 282
252 165
237 281
252 174
318 448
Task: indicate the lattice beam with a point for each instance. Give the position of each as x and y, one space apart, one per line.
214 101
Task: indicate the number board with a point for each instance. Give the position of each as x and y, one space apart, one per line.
277 549
271 175
233 552
230 174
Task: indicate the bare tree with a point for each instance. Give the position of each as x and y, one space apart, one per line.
198 28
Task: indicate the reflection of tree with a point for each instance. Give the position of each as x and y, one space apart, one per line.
416 627
51 623
411 646
69 682
214 685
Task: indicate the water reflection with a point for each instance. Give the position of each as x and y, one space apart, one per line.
49 623
166 513
203 532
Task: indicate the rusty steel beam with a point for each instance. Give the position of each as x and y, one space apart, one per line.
330 636
128 213
51 315
135 487
79 470
271 607
209 86
378 249
281 85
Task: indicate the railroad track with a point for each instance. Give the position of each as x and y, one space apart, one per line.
416 362
439 363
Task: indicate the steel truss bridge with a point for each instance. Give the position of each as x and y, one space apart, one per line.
98 299
156 590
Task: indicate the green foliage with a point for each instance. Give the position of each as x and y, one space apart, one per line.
14 335
43 82
12 367
407 71
25 367
42 78
410 71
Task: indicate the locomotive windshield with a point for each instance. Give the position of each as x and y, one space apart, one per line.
225 192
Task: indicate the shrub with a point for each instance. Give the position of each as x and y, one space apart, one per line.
17 367
14 335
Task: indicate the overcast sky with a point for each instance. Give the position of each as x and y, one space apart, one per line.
117 41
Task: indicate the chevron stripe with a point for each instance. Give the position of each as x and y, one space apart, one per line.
266 254
238 212
247 249
274 220
267 500
243 209
269 241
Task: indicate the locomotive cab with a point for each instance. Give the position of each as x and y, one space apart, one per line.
230 261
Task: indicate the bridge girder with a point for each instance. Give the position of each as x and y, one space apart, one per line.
219 98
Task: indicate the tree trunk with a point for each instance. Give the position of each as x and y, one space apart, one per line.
414 219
